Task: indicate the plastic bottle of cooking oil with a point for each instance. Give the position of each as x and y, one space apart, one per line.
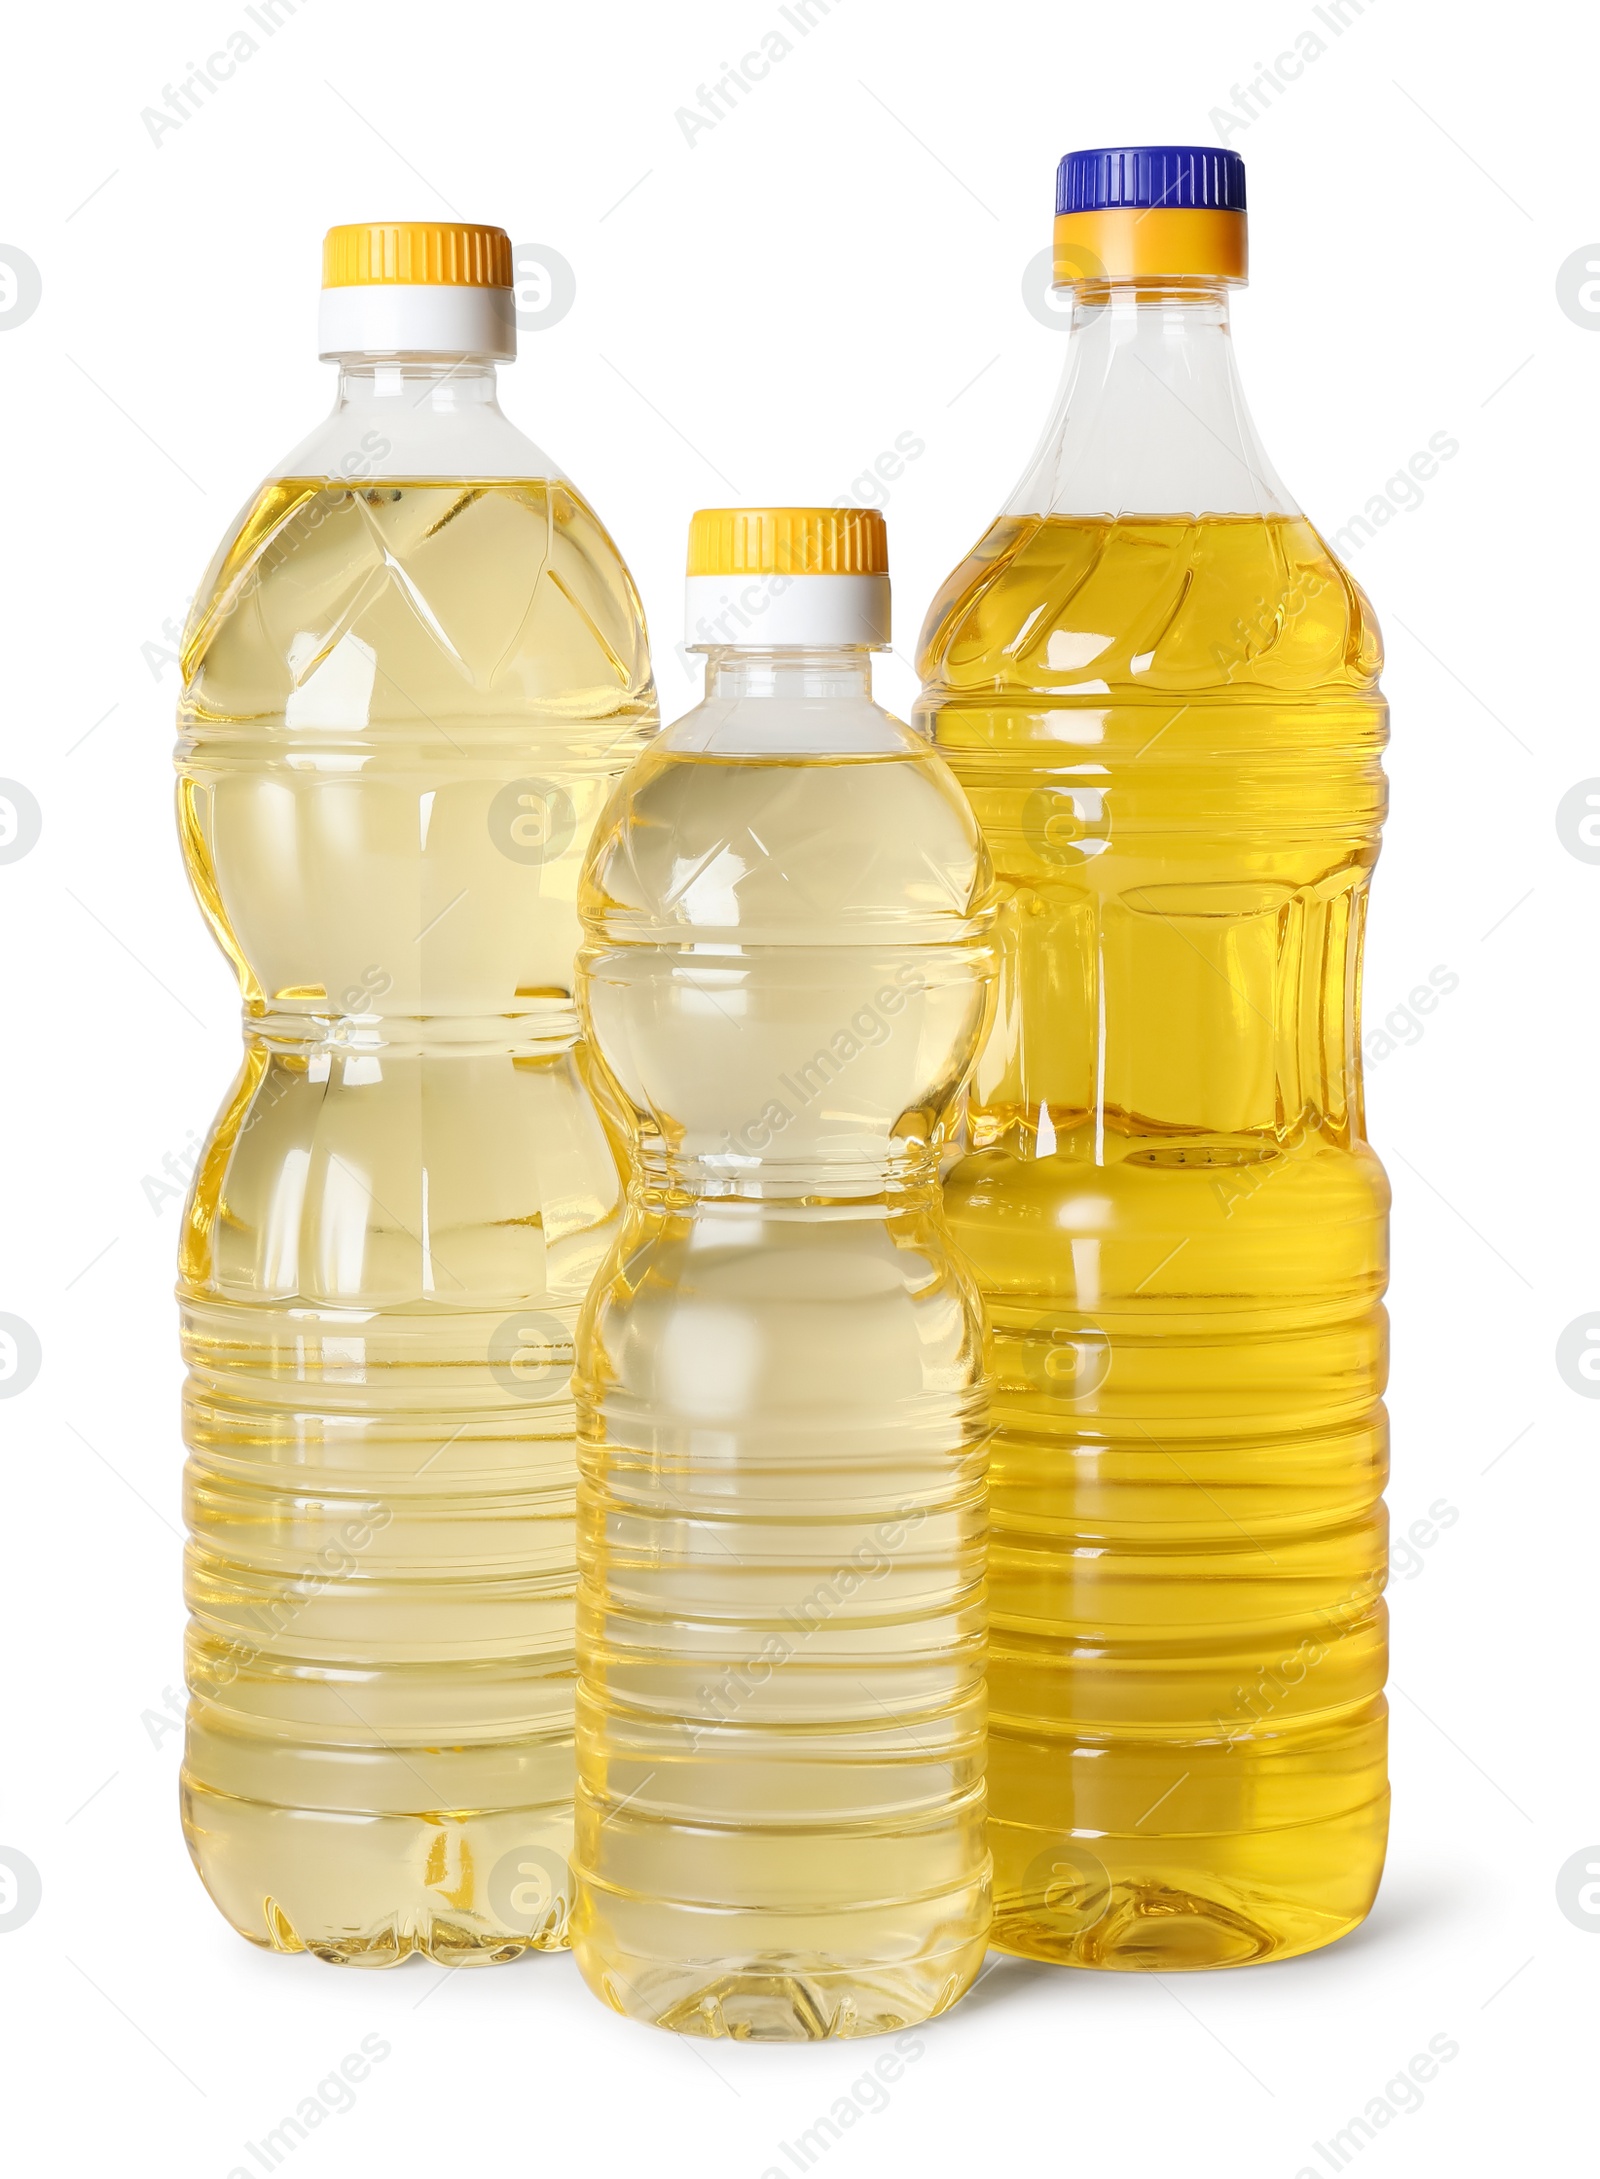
782 1408
411 677
1159 688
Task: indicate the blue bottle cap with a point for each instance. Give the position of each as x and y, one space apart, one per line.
1185 176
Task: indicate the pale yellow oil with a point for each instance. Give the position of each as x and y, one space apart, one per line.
1171 731
404 705
783 1419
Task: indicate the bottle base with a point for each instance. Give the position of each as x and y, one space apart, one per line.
1186 1904
782 2000
365 1890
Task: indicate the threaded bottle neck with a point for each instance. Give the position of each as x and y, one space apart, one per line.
789 673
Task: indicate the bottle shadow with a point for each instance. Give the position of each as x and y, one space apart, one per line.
1400 1914
1005 1979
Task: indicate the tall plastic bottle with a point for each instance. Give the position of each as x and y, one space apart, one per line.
411 677
782 1409
1160 690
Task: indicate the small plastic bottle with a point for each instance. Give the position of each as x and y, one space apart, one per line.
783 1418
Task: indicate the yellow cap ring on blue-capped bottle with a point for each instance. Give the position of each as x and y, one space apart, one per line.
1120 243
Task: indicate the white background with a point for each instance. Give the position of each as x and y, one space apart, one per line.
763 312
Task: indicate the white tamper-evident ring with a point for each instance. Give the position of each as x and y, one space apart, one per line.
401 319
780 612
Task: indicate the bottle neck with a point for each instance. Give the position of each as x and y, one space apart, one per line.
789 673
443 386
1151 416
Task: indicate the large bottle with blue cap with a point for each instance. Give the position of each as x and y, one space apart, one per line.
1159 688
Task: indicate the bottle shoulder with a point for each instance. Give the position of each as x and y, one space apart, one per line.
1139 606
409 604
787 829
367 441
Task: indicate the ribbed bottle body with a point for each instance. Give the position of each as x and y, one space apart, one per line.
1171 730
783 1414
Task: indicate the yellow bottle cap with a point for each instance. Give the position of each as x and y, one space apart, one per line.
780 578
788 541
416 253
